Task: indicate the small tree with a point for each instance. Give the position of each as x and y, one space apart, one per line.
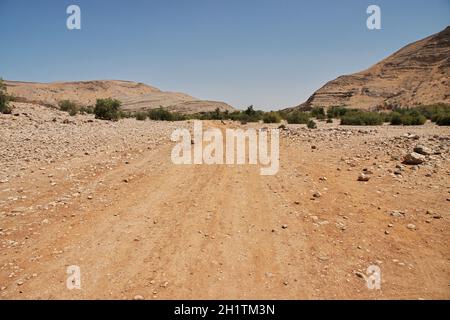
4 99
107 109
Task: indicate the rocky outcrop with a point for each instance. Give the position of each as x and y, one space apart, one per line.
417 74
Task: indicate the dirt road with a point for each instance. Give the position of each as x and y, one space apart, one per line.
162 231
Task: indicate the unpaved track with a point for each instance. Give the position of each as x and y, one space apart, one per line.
215 232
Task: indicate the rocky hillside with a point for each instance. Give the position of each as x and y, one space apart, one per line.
416 74
134 96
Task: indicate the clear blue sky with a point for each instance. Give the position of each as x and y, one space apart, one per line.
269 53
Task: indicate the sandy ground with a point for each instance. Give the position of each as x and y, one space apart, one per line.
137 224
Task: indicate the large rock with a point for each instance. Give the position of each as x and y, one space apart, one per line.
422 150
414 158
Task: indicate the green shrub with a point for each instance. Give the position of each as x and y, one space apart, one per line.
336 112
160 114
395 118
271 117
432 112
443 119
362 118
318 112
4 99
107 109
297 117
311 124
407 117
165 115
141 116
87 109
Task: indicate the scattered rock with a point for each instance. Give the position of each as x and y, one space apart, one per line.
411 226
422 150
413 158
363 177
397 214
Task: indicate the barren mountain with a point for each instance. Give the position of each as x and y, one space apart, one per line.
419 73
134 96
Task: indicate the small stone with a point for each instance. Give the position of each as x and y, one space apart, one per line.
317 194
363 177
420 149
397 214
284 226
411 226
138 297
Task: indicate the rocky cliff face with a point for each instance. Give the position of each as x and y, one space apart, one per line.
416 74
133 95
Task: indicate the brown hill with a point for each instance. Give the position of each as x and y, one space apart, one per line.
419 73
134 96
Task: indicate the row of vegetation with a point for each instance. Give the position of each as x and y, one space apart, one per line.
109 109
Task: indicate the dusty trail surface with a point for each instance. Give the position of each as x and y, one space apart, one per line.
136 224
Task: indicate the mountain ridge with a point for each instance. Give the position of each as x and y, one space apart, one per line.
135 96
416 74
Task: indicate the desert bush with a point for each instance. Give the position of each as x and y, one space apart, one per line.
433 111
297 117
68 106
394 118
336 112
4 99
140 115
87 109
107 109
443 119
362 118
271 117
406 117
318 112
311 124
165 115
251 115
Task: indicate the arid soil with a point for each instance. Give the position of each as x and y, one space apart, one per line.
106 197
